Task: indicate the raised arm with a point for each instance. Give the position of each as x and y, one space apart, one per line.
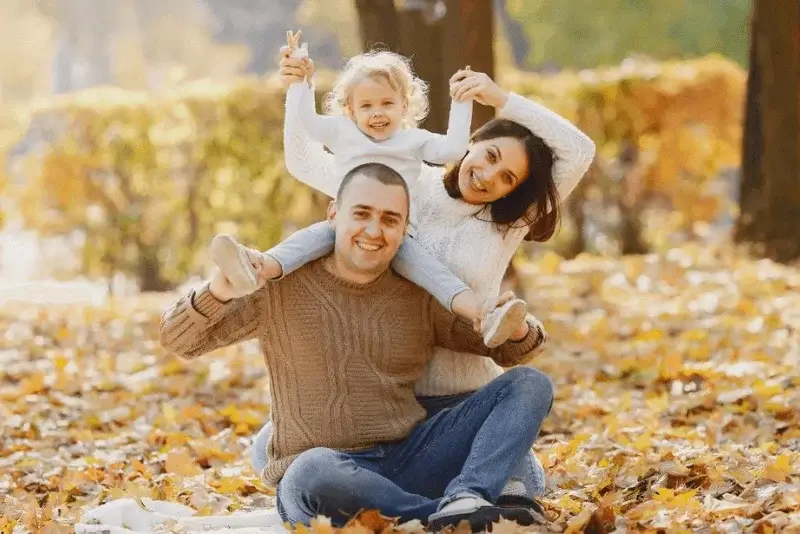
453 332
199 323
573 149
305 158
442 149
321 128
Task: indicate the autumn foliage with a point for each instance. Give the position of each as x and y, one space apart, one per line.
676 402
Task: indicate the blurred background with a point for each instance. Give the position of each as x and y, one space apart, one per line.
132 132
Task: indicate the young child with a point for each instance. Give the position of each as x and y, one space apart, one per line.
375 106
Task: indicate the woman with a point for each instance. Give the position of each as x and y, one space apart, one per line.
471 216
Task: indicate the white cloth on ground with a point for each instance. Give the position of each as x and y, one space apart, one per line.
126 516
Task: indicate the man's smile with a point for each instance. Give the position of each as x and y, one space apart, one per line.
369 247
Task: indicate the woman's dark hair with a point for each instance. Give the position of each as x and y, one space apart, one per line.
528 204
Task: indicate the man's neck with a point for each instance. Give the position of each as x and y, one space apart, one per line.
341 270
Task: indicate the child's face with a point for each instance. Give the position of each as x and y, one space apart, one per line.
376 108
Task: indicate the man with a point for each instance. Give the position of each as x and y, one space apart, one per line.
344 339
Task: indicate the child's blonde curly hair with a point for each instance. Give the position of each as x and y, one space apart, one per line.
396 69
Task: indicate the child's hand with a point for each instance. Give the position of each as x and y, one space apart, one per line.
295 65
293 42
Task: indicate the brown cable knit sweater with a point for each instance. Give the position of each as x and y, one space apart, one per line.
342 358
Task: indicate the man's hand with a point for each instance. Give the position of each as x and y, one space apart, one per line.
222 289
493 303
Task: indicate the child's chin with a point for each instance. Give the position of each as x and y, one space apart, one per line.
382 134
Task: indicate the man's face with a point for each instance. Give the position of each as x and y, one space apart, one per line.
370 222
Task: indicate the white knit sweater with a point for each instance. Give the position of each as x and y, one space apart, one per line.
475 250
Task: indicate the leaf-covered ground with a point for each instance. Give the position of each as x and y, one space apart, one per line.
677 403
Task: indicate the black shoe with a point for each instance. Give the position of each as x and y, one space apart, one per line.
521 501
481 518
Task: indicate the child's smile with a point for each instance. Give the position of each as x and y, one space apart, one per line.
377 108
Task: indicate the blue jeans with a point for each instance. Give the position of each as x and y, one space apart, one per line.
530 472
412 261
469 449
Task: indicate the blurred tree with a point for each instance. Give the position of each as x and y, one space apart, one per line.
469 40
514 32
770 187
330 19
565 33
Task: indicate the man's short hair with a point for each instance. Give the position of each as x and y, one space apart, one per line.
375 171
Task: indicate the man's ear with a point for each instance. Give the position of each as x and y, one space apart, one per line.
333 209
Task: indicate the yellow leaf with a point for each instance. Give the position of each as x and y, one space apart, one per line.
229 485
169 413
780 469
671 366
569 504
664 495
180 463
643 441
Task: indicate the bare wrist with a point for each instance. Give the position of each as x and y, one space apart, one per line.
218 292
502 99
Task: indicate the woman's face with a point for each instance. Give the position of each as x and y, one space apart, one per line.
492 169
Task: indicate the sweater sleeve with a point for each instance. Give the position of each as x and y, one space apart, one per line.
305 158
322 128
442 149
573 149
454 333
199 323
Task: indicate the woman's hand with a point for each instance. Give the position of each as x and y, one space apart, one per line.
294 69
468 84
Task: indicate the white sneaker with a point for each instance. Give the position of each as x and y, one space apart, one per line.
501 322
233 261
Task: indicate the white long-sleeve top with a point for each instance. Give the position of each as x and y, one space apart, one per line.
405 151
475 250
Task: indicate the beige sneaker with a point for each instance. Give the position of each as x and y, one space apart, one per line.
233 261
501 322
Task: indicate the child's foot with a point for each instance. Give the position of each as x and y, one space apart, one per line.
501 322
233 261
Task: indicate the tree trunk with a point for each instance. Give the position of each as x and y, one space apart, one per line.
750 191
379 24
468 39
776 215
421 41
574 207
149 271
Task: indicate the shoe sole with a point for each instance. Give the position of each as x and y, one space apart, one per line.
482 519
498 333
231 258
